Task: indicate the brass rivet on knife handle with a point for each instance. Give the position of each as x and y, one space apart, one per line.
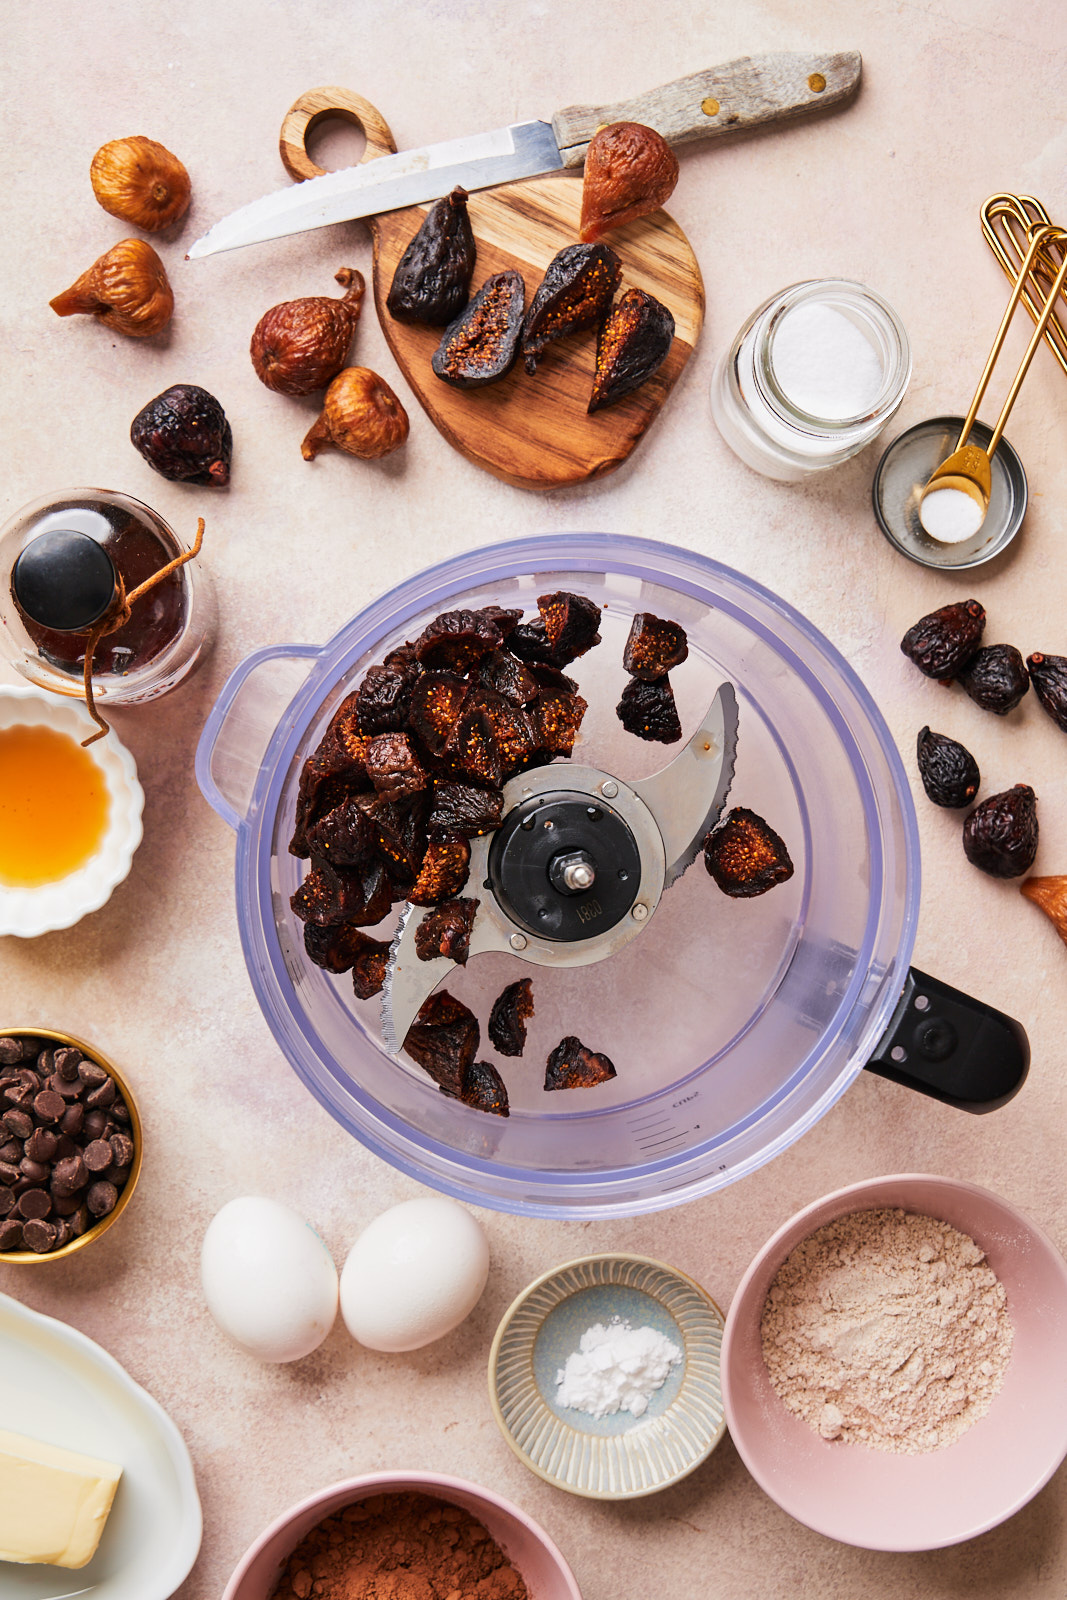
749 93
304 115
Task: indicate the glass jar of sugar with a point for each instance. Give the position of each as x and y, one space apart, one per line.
813 376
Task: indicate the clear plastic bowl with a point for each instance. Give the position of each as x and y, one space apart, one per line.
734 1025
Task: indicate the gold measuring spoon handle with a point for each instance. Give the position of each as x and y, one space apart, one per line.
1041 236
1017 216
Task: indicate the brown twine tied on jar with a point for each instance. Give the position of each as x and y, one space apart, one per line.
117 615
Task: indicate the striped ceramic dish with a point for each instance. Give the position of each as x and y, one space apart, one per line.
615 1457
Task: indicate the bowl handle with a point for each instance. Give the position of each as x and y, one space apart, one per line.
246 714
952 1047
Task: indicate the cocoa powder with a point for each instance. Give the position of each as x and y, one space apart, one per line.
403 1546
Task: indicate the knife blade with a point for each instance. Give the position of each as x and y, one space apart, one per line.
725 100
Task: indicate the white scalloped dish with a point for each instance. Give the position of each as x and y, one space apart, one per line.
58 1386
42 908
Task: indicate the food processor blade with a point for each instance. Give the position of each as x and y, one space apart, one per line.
630 841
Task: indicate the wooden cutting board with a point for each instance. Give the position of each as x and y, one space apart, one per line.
534 432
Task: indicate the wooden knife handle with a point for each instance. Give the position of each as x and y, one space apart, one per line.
315 107
738 95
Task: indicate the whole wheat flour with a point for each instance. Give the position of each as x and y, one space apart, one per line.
887 1329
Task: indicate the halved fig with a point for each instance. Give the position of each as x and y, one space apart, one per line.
632 344
481 345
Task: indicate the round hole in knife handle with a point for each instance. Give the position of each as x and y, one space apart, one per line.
880 1500
540 1564
70 818
811 378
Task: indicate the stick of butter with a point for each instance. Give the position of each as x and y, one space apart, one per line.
53 1503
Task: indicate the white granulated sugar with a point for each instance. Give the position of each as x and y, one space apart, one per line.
615 1368
824 364
887 1329
950 516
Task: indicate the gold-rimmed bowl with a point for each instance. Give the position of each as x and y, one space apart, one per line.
616 1457
51 1038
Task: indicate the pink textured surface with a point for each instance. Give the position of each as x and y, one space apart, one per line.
960 99
899 1502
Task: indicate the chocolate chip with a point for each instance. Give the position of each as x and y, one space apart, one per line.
39 1236
68 1061
92 1074
121 1112
33 1204
102 1198
11 1234
49 1106
65 1146
8 1173
95 1123
71 1121
98 1155
41 1144
72 1174
121 1149
102 1097
10 1050
11 1152
81 1221
36 1171
19 1094
19 1123
7 1202
46 1063
64 1087
64 1205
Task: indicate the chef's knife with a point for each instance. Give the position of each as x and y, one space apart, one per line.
729 99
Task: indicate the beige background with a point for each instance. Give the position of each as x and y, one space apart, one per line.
959 100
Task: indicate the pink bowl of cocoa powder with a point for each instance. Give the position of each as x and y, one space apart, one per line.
881 1500
529 1549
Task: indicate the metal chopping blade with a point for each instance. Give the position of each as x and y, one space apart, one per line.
578 866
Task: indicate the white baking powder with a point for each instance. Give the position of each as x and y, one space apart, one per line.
887 1329
824 364
615 1368
950 516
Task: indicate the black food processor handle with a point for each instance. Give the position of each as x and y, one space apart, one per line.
952 1047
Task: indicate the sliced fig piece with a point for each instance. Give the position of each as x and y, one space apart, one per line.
630 170
447 931
632 344
578 287
335 769
443 1041
745 856
571 623
393 767
572 1066
649 711
654 647
368 968
444 871
384 698
339 948
482 344
399 831
433 276
457 640
344 837
507 1020
344 894
436 703
504 673
485 1090
463 808
557 718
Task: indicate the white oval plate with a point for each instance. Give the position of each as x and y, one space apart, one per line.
58 1386
48 906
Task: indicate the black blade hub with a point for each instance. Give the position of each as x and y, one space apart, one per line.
565 866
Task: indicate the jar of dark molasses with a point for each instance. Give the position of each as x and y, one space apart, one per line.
60 561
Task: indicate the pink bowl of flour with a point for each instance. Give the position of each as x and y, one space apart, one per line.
528 1547
885 1501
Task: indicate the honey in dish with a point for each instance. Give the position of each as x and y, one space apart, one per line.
53 805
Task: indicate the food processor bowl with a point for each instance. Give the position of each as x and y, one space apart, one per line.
733 1024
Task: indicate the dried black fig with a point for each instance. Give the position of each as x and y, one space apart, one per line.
393 767
649 711
337 949
432 278
456 641
1000 835
384 697
443 1041
484 1089
482 344
368 969
436 703
507 1020
632 344
1049 677
443 872
184 436
578 287
446 931
653 647
572 1066
463 808
949 772
995 678
945 640
745 856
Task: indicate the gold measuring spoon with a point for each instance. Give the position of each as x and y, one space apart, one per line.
967 471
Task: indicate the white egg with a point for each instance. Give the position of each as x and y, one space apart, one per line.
269 1281
413 1275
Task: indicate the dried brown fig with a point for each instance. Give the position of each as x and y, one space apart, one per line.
126 288
300 345
361 415
1050 896
141 182
630 170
